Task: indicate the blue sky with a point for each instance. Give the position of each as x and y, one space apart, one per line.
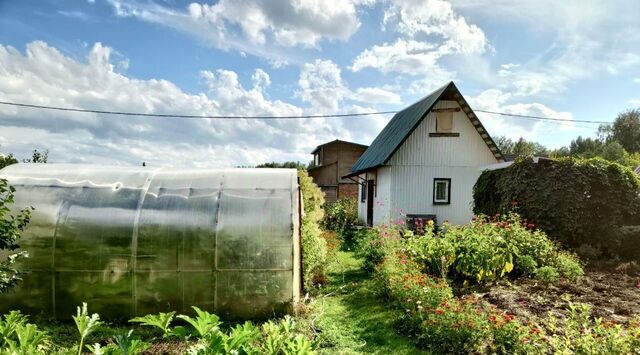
571 59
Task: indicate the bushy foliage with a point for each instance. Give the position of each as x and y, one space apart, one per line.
574 201
203 334
488 249
11 226
314 247
341 216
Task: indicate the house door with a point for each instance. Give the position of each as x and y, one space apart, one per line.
370 187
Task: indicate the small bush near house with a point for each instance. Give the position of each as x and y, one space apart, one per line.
341 216
314 247
576 202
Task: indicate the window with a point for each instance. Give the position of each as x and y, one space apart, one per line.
441 191
444 121
363 192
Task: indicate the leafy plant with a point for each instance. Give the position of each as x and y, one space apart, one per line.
85 324
548 274
129 345
160 320
11 227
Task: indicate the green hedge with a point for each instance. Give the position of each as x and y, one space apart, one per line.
574 201
314 247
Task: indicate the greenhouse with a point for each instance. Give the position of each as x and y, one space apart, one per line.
133 241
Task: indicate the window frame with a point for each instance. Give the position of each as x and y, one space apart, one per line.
442 115
363 192
447 201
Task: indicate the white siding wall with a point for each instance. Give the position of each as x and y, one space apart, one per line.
422 158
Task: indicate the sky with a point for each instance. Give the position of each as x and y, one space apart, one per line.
574 59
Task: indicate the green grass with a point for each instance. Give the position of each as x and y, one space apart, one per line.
350 316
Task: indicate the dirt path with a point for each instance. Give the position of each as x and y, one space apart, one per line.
350 316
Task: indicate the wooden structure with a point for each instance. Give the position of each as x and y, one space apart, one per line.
331 161
425 161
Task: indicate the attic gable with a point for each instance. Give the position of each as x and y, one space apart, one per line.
405 122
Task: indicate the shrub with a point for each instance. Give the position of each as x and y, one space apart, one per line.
574 201
369 244
547 274
489 249
341 216
314 247
11 226
568 266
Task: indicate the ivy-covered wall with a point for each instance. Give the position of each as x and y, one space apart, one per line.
577 202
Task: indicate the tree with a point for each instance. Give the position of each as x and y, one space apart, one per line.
624 130
520 147
6 160
11 226
286 165
38 157
586 147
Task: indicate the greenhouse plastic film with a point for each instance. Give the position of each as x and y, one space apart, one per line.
134 241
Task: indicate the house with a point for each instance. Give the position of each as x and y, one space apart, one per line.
425 162
331 161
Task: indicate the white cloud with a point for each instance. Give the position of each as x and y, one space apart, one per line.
636 80
587 39
436 17
45 76
402 56
252 26
322 86
515 127
376 95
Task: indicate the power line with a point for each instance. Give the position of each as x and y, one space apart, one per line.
541 117
126 113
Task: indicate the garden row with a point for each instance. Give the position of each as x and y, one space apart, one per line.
422 271
202 334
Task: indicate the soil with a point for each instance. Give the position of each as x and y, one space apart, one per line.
613 294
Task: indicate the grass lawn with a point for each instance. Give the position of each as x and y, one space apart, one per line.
351 318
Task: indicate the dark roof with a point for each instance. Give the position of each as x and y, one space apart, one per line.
405 122
337 141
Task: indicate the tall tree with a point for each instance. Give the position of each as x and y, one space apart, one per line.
586 147
624 130
520 147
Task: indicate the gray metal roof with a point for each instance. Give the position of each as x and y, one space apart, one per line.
405 122
637 170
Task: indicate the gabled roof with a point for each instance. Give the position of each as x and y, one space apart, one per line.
405 122
338 141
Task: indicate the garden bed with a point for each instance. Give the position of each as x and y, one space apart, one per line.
613 294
